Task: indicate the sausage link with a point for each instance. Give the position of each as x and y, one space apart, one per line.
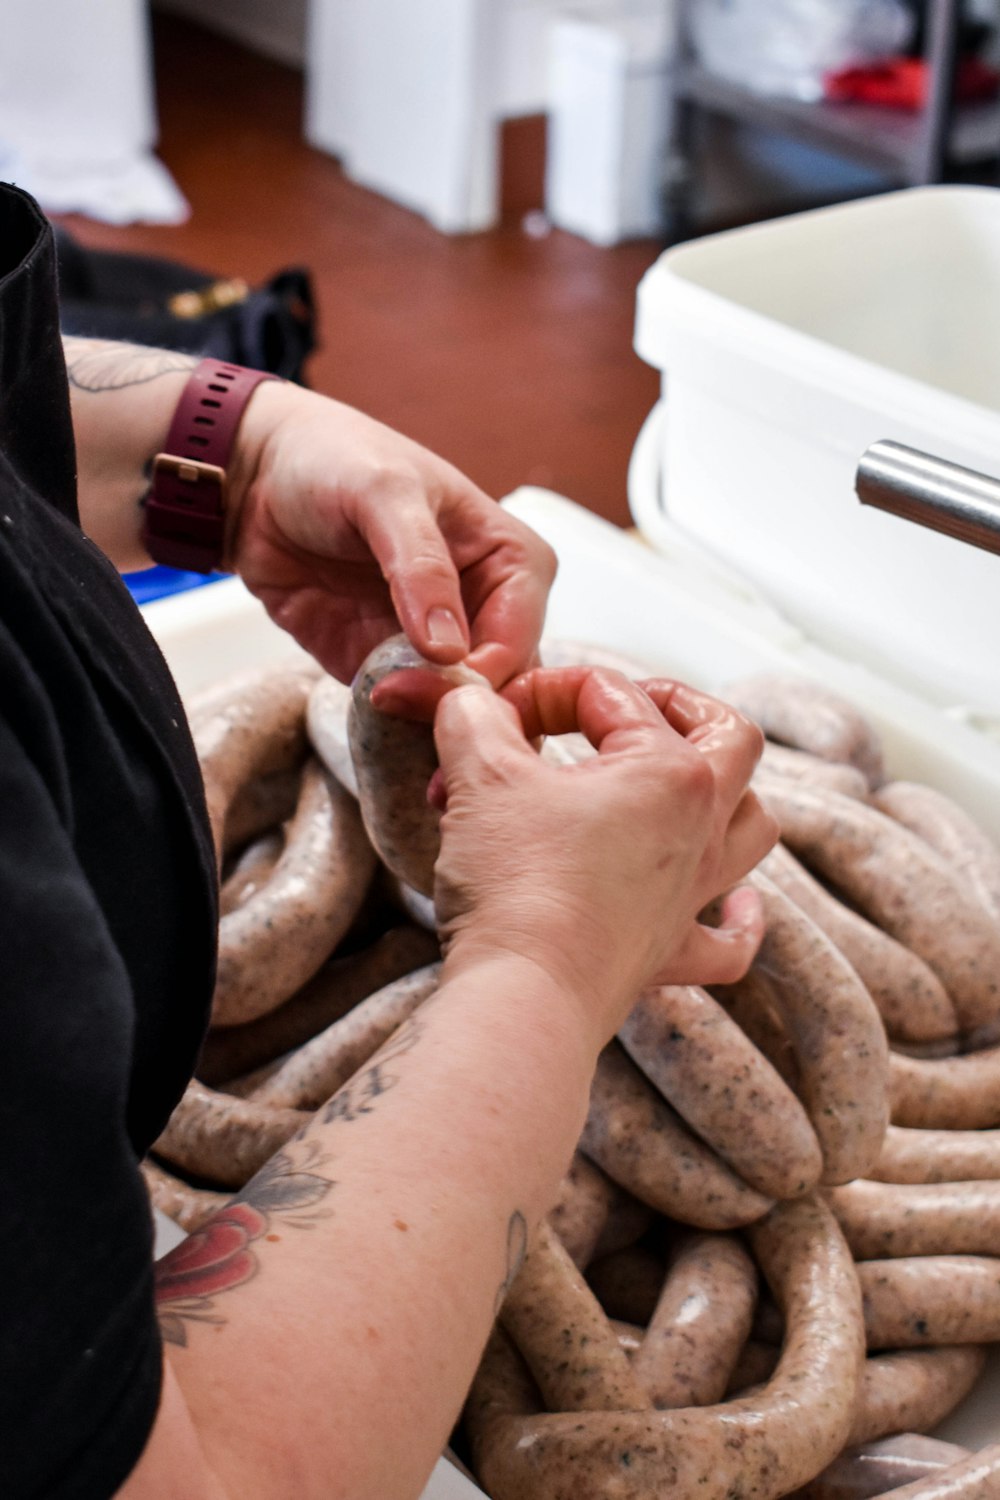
729 1094
882 1219
908 995
185 1205
751 1003
949 1093
975 1478
805 716
582 1208
950 831
310 1076
758 1448
260 806
754 1366
394 759
634 1136
563 1334
280 938
910 1155
837 1033
252 870
921 1301
915 1388
338 986
223 1139
897 880
800 765
868 1471
700 1324
326 725
247 728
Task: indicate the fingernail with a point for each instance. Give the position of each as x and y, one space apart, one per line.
444 630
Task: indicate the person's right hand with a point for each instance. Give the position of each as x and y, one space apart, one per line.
598 872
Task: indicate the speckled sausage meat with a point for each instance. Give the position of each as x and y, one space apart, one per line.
327 714
308 1077
948 1093
861 1473
394 760
913 1389
634 1136
260 806
910 1155
799 713
882 1219
759 1447
837 1033
713 1075
628 1283
223 1139
270 946
908 995
898 881
582 1208
563 1334
799 765
337 987
700 1324
975 1478
752 1004
187 1206
254 725
251 871
926 1300
951 832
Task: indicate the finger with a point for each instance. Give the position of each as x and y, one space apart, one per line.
478 737
422 577
506 624
723 954
614 713
752 833
732 742
413 693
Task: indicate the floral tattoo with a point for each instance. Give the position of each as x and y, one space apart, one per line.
219 1255
97 365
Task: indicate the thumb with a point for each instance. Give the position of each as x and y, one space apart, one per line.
478 737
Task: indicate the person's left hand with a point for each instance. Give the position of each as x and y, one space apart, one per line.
348 531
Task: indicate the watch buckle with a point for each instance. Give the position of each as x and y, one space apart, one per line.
191 473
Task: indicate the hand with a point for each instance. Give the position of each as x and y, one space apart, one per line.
348 532
598 871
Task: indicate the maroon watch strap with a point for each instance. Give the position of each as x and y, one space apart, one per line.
185 511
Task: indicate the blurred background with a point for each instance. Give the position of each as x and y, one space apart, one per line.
474 187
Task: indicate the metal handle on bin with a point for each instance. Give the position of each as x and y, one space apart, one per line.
931 492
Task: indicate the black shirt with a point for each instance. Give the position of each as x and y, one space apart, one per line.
107 934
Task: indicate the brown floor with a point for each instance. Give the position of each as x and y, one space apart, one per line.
508 354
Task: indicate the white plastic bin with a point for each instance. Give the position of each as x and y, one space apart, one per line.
787 348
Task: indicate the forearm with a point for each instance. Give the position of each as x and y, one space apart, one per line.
122 398
354 1343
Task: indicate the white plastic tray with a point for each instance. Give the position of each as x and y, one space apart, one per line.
703 626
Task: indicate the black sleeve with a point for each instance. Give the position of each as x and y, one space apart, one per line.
80 1359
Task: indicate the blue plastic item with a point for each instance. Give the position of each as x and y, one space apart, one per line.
157 583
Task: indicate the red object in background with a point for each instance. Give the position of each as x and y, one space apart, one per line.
903 82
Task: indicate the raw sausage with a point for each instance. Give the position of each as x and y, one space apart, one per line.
921 1301
800 713
700 1324
269 947
882 1219
951 832
799 765
634 1136
913 1389
326 725
185 1205
975 1478
759 1447
713 1075
949 1093
837 1033
861 1473
908 995
902 885
910 1155
223 1139
394 760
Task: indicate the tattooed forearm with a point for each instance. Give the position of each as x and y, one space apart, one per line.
358 1095
517 1249
220 1254
97 365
